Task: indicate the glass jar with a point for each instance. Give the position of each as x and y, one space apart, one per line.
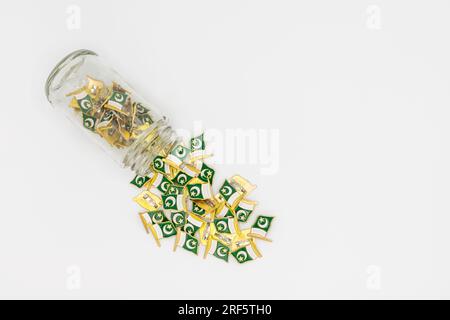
99 100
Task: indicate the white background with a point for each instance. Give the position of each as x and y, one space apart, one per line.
361 103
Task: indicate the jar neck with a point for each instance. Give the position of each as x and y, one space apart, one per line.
159 139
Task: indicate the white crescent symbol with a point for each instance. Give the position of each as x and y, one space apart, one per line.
108 116
89 123
178 218
158 217
139 108
86 104
222 251
189 228
191 244
164 185
263 222
139 180
181 152
227 190
158 163
242 256
119 97
196 143
182 178
195 191
206 174
167 229
242 214
170 202
222 226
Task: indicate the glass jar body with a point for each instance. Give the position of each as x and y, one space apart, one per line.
96 98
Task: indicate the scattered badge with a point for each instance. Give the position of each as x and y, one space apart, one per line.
180 202
177 194
176 187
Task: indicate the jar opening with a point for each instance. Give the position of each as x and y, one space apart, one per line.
61 65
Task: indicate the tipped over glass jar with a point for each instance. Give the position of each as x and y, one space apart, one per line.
99 100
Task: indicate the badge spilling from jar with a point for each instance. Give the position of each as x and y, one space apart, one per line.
110 112
180 205
177 194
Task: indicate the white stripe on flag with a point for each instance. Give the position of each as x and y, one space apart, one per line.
182 239
174 160
197 154
158 179
81 95
251 252
198 165
180 205
247 206
189 170
222 212
206 191
233 198
213 247
116 105
166 168
158 230
146 218
155 191
259 231
194 221
232 226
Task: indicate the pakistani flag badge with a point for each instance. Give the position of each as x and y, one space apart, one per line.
200 191
181 178
177 156
195 208
246 254
160 166
187 242
106 119
192 225
223 211
84 101
89 122
229 193
157 217
162 230
173 202
161 183
140 109
174 190
206 173
142 113
178 219
117 101
217 249
261 226
244 209
139 181
197 147
226 225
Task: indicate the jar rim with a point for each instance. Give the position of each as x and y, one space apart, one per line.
61 64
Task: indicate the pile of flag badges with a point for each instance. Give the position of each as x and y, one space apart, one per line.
177 195
181 205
